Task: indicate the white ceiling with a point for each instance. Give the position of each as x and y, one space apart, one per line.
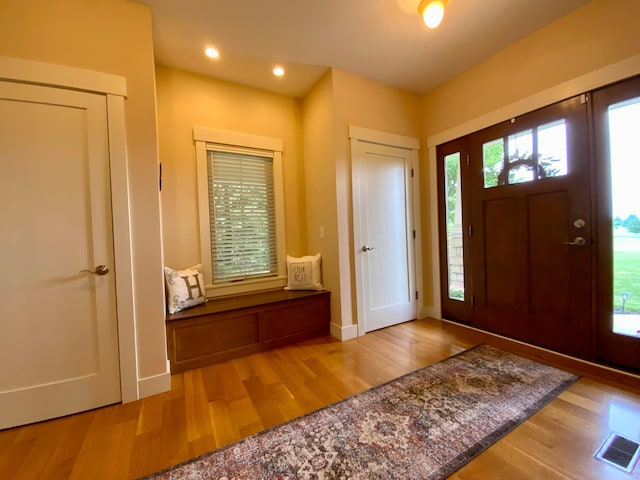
382 40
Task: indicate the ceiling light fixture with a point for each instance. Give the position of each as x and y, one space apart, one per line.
211 52
432 12
278 71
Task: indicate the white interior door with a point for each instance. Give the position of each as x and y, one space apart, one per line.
383 233
58 341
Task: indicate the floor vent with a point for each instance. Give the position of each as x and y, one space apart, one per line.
619 452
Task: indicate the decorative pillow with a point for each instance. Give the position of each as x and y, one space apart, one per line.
304 273
185 288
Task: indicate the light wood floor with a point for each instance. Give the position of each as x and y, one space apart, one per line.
216 405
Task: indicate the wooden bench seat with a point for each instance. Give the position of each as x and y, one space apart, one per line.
236 325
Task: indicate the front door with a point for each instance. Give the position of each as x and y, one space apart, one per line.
58 346
617 120
530 228
383 233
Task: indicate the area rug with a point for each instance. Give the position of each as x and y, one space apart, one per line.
424 425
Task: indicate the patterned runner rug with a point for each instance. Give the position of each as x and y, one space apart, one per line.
424 425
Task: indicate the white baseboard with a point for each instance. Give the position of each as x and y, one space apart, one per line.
344 333
155 384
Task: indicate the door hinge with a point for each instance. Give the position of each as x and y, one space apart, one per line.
473 300
412 173
470 230
160 177
468 160
414 234
417 295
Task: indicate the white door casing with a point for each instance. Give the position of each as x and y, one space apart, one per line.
384 228
59 342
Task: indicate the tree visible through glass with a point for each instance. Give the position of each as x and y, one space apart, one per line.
455 252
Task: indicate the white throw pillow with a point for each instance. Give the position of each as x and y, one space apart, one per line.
304 273
185 288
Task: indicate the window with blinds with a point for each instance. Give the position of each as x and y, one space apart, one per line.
242 215
240 211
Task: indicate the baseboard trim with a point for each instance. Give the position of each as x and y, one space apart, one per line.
343 333
155 384
429 312
595 371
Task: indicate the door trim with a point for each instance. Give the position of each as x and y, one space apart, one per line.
29 71
114 87
590 81
360 134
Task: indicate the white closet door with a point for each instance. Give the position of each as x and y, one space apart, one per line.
58 340
383 233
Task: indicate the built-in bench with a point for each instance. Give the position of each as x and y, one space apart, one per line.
236 325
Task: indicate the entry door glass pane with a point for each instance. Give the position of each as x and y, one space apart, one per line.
520 157
552 148
455 255
624 119
492 161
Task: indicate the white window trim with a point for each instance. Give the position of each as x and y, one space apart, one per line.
204 137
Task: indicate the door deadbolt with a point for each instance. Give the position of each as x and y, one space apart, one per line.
579 223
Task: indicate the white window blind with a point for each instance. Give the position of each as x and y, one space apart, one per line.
242 215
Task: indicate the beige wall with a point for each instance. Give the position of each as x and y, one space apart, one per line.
341 99
109 36
320 180
599 34
367 104
187 100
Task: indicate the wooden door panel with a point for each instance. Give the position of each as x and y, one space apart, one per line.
501 254
549 272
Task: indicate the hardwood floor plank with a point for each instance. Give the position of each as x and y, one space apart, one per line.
265 405
63 459
583 402
244 417
224 431
14 454
219 404
198 420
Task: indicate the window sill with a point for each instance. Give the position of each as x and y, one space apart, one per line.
245 286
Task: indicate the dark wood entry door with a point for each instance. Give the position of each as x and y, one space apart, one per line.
530 228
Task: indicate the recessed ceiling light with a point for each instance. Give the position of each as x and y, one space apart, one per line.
212 52
278 71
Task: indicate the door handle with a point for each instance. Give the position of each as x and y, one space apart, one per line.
578 242
366 248
100 270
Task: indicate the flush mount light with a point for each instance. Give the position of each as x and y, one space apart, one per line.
278 71
211 52
432 12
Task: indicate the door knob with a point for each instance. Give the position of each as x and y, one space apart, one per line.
578 242
366 248
100 270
